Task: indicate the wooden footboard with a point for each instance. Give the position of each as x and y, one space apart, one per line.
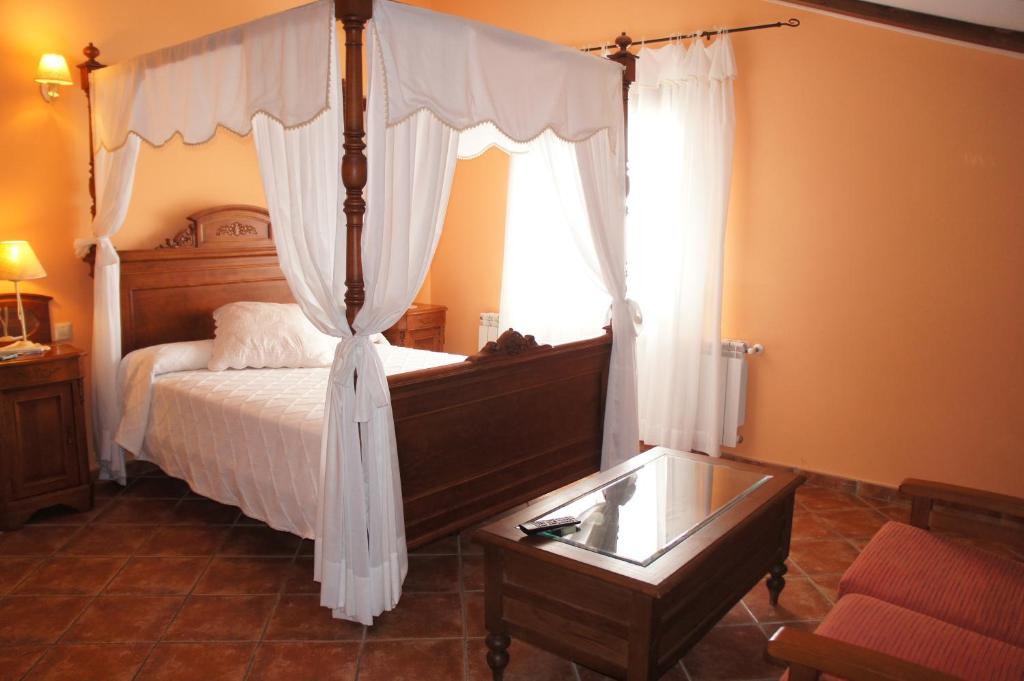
484 436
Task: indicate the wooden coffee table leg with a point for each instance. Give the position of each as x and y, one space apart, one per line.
497 654
776 582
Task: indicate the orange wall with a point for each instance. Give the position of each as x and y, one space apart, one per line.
874 244
875 240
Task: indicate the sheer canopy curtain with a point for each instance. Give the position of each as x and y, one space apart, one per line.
681 128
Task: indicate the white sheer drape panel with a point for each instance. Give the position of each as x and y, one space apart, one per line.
115 176
551 284
602 176
681 127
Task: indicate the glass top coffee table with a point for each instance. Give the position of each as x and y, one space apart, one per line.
665 544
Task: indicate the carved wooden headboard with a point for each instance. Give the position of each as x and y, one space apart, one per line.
225 254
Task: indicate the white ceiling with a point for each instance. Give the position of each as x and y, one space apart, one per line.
1000 13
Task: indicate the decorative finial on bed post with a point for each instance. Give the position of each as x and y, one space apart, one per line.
85 68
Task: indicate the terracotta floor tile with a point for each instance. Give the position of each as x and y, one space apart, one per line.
728 653
37 619
306 547
126 511
244 575
445 546
676 673
157 488
473 609
900 514
810 526
259 541
137 468
770 628
195 661
799 601
107 540
221 618
13 570
184 540
35 540
739 613
61 515
300 617
473 573
300 577
829 584
72 575
124 618
856 523
432 573
413 661
16 660
158 575
827 556
525 663
306 662
203 512
824 499
422 615
90 663
246 520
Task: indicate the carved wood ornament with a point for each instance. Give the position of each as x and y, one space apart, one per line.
509 344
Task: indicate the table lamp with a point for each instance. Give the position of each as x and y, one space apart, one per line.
17 263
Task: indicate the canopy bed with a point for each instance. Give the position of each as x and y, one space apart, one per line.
468 438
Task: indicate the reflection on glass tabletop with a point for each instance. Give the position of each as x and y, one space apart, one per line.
642 514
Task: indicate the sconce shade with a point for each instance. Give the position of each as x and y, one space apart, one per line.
18 262
53 70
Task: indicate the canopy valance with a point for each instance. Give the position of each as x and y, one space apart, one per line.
277 65
467 73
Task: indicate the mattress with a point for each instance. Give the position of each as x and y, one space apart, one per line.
251 438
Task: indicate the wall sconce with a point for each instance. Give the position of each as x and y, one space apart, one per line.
52 72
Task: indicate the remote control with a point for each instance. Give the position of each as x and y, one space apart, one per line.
538 526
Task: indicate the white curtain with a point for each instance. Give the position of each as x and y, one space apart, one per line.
681 128
551 286
115 176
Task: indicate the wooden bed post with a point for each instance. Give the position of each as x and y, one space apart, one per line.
85 68
353 14
628 60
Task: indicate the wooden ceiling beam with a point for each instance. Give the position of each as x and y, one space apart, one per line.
954 29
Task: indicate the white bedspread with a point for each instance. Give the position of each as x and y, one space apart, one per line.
251 438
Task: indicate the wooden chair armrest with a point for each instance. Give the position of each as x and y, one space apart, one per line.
924 493
809 655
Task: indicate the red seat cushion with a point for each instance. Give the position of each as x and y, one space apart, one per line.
923 640
914 569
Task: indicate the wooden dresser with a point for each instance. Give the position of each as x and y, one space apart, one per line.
43 454
421 327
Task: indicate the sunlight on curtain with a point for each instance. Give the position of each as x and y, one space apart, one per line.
548 288
681 127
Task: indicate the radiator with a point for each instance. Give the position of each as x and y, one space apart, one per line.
488 328
734 388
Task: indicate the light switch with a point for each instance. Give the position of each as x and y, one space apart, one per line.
62 331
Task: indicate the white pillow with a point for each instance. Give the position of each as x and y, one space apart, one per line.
267 335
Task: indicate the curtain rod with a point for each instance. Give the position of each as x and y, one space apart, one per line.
624 41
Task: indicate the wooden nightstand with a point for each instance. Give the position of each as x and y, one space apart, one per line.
421 327
43 455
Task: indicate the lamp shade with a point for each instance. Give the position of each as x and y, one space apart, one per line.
53 69
18 262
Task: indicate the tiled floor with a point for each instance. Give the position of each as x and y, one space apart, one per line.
157 584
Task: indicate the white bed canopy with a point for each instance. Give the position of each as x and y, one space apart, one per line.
440 87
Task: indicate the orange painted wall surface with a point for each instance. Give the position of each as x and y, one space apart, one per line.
875 241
